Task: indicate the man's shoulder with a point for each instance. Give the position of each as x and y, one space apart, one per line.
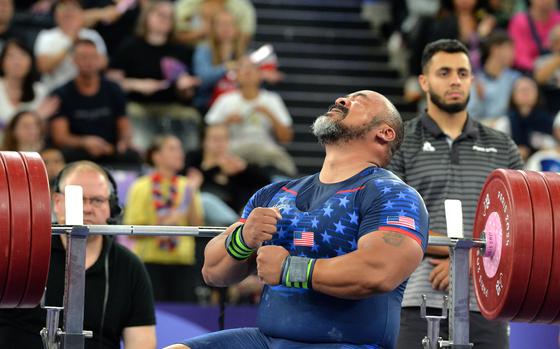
412 128
64 90
413 122
488 134
110 86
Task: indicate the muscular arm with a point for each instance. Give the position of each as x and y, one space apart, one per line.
139 337
219 268
383 260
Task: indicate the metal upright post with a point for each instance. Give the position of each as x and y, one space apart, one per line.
74 285
459 294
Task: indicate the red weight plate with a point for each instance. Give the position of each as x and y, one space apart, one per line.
550 311
20 212
542 247
5 232
501 281
40 203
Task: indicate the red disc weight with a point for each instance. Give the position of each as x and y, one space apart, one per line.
20 213
504 209
550 310
40 230
542 247
5 231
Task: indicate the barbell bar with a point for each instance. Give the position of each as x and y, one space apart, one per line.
516 273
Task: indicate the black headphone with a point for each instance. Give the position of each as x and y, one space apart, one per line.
116 209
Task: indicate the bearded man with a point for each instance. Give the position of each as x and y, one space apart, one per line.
448 155
333 249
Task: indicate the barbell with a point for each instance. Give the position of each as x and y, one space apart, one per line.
516 274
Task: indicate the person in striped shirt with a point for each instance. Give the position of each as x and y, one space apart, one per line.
447 155
333 249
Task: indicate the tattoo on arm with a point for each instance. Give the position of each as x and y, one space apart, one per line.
393 239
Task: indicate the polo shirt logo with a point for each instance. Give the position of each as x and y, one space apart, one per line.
484 150
428 147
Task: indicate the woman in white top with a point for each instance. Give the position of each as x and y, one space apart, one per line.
19 88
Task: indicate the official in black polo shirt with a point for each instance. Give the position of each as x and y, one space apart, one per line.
447 155
118 303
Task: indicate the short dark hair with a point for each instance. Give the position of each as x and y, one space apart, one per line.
442 45
495 38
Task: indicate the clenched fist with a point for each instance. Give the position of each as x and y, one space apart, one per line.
260 226
269 263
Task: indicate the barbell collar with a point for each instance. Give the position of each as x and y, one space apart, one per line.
463 243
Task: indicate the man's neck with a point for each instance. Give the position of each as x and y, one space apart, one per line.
93 248
344 161
88 84
451 124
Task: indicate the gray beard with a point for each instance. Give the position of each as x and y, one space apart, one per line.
329 131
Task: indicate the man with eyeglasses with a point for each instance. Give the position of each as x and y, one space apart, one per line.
118 301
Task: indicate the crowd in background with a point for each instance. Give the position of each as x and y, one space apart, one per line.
514 48
163 93
167 96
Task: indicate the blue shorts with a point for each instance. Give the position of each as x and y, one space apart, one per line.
253 338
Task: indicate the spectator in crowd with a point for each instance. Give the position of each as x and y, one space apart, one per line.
159 85
194 18
491 91
547 159
547 71
502 10
54 162
25 132
6 14
165 198
531 124
53 47
456 19
225 175
463 20
217 57
118 304
114 20
257 119
91 122
530 30
19 89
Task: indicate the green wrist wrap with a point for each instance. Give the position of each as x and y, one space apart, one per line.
297 272
236 247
